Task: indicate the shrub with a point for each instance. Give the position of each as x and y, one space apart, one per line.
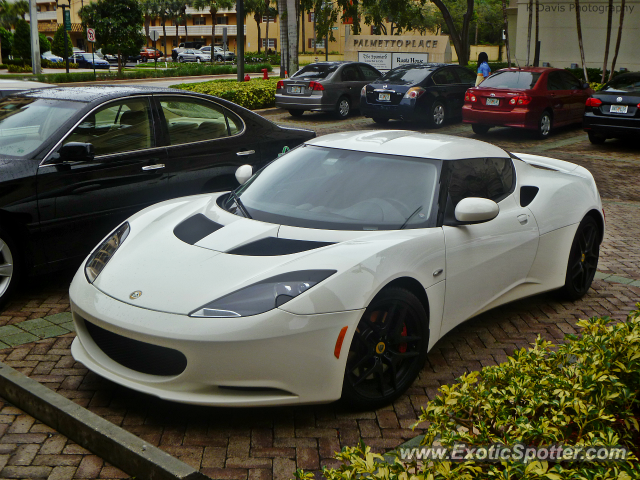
19 68
494 66
57 46
581 393
254 94
21 40
595 74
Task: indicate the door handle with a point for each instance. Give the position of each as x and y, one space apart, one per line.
157 166
246 152
523 219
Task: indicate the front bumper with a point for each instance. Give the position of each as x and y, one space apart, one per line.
518 117
274 358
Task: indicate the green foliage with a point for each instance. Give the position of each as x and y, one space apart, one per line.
595 86
57 47
45 44
21 41
494 66
581 393
7 41
253 94
253 57
19 68
595 74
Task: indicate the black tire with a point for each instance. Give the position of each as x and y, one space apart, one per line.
437 114
219 58
180 59
597 139
388 350
343 108
10 266
296 113
583 260
380 120
198 60
544 125
480 129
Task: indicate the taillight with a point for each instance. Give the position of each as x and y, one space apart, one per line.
593 102
520 100
470 97
414 92
280 85
315 86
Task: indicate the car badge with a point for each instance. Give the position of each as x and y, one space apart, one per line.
619 99
135 295
492 95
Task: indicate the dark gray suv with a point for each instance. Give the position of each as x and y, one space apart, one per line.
325 86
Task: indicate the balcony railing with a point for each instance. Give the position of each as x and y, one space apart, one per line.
232 30
198 30
206 11
51 15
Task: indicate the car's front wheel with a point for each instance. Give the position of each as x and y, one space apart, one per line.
9 265
583 260
219 58
596 138
544 126
388 349
437 114
180 59
342 108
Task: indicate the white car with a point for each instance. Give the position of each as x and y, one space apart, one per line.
332 271
191 55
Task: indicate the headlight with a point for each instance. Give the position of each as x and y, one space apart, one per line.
263 296
101 255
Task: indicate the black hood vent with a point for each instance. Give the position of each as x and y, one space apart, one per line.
273 246
195 228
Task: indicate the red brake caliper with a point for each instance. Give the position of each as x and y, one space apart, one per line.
403 346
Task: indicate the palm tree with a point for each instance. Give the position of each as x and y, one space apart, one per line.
537 29
255 8
615 55
579 27
213 6
529 31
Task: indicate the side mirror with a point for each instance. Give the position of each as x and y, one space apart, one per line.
76 152
585 86
243 174
476 210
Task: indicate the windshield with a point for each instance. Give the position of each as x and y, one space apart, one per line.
316 71
316 187
405 75
623 83
26 123
519 80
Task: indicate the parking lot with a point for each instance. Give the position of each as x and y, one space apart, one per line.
270 443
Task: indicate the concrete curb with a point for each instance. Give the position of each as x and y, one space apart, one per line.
108 441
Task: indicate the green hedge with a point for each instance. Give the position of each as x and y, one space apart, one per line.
581 393
19 68
253 94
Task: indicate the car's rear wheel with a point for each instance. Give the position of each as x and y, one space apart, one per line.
437 114
380 119
296 113
544 125
9 265
480 129
219 58
596 138
343 107
583 260
388 349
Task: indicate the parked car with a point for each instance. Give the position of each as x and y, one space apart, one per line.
325 86
431 92
533 98
87 158
88 60
332 271
614 111
190 55
149 54
111 58
189 45
51 57
219 54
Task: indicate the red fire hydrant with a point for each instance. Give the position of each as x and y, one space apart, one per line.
265 74
247 77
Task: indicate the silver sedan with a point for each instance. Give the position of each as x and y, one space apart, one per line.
191 55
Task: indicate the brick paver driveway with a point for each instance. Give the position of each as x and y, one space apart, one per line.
266 443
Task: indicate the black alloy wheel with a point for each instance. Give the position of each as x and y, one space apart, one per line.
437 114
596 138
380 120
388 350
583 260
480 129
296 113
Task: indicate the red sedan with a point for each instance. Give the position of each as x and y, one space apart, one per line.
531 97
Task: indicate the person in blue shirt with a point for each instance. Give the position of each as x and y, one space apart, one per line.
483 68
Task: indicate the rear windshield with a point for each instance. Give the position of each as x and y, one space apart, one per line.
519 80
623 83
405 75
316 71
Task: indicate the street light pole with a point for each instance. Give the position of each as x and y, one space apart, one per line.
35 39
66 35
240 39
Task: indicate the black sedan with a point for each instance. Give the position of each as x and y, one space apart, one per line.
614 111
429 92
77 161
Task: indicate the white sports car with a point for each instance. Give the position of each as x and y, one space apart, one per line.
332 271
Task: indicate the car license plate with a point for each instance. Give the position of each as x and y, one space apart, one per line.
618 109
384 97
493 101
295 90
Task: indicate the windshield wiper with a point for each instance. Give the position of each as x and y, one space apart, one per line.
417 210
239 203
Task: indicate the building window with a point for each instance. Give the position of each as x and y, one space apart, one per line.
153 23
272 43
311 16
199 20
271 19
319 44
222 20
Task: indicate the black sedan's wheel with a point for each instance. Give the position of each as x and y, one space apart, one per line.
544 126
480 129
342 108
296 113
437 114
583 260
9 265
380 119
596 138
388 349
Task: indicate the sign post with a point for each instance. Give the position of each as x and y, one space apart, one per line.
154 35
91 38
224 45
66 16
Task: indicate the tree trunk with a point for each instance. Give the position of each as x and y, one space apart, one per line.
164 33
147 23
177 23
315 47
284 44
186 31
292 35
579 27
530 8
304 35
266 33
619 39
460 40
119 62
213 11
506 31
608 41
535 48
258 18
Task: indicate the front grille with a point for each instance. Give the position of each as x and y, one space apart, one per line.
139 356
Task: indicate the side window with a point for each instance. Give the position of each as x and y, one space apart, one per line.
554 81
570 82
123 126
490 178
445 77
190 120
466 76
351 73
369 73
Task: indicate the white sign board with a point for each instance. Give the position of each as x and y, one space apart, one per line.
91 35
379 60
154 35
407 58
